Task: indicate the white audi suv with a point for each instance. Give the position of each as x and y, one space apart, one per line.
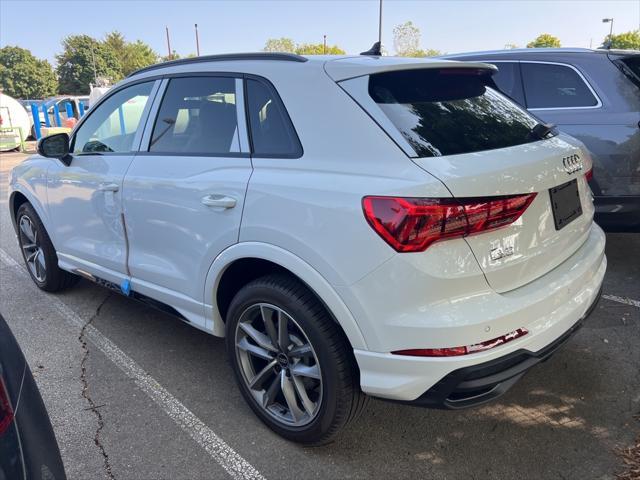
354 226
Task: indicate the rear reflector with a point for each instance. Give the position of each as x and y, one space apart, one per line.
457 351
412 224
6 412
589 175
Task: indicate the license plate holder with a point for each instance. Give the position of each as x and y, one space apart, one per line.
565 203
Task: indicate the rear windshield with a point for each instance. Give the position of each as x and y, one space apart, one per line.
630 66
450 111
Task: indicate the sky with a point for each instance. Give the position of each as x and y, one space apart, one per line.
242 25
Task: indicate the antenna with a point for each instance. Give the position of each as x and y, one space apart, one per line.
376 49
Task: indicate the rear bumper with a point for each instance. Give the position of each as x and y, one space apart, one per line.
478 384
548 308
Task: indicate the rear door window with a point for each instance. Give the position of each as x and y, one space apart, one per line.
555 86
197 116
449 111
508 80
272 134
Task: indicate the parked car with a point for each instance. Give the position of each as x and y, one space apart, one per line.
28 447
593 95
354 226
61 101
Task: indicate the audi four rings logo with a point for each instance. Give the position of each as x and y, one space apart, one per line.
572 164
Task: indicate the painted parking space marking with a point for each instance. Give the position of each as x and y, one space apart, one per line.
236 466
625 300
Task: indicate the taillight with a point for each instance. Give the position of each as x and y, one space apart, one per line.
457 351
412 224
589 175
6 412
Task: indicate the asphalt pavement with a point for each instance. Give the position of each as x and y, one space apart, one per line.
169 408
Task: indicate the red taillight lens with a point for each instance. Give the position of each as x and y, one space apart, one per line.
6 412
589 175
457 351
412 224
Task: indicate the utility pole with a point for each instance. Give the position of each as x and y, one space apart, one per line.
197 42
168 44
324 45
95 72
380 25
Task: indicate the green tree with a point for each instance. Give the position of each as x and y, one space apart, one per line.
406 39
318 49
131 55
174 56
76 63
24 76
280 45
430 52
545 40
625 41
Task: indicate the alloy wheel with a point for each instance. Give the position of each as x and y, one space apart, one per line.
279 365
31 248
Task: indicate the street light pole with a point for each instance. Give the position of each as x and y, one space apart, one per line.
168 43
609 20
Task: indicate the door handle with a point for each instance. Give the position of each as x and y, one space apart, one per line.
221 201
108 187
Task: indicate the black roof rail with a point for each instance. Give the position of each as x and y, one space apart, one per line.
225 57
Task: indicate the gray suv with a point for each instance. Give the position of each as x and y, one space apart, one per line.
593 95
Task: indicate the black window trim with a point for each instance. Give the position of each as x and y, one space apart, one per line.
157 104
143 148
300 149
580 75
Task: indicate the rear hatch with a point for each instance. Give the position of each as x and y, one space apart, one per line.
628 63
481 145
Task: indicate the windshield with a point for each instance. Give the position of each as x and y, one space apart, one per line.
450 111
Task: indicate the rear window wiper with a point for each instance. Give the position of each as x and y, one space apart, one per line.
543 130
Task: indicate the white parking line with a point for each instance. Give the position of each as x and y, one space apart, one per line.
625 300
232 462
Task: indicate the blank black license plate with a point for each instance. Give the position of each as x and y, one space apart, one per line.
565 203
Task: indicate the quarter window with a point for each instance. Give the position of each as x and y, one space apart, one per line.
197 116
113 125
555 86
272 134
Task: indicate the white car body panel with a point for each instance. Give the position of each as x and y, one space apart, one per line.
87 221
305 215
534 167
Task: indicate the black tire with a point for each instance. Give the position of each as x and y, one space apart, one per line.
54 279
342 401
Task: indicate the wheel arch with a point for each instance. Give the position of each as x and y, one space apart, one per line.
243 262
19 197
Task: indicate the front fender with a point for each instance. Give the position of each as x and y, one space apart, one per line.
295 265
30 180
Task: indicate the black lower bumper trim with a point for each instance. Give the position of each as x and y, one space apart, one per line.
478 384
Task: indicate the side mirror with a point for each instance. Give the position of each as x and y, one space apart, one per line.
55 146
